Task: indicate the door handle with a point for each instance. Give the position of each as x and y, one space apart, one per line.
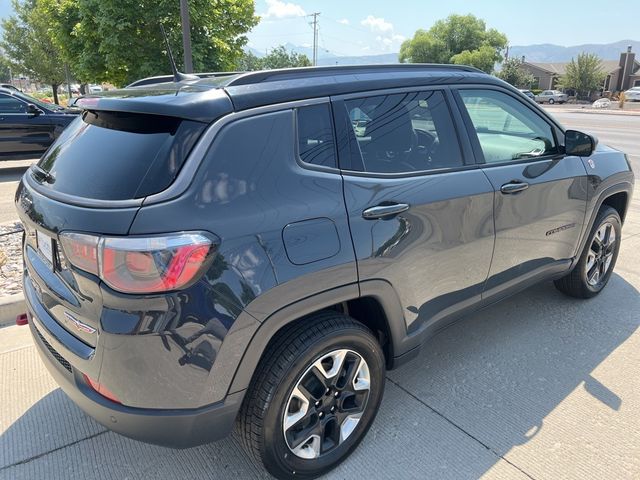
514 187
381 211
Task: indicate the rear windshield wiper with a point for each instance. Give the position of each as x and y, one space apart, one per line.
42 175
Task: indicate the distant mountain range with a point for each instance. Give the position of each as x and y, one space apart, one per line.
533 53
555 53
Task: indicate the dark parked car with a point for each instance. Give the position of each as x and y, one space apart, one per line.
258 250
28 126
528 93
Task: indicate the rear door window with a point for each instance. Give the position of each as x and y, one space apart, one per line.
404 132
119 155
11 105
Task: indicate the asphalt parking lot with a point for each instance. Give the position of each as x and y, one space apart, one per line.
540 386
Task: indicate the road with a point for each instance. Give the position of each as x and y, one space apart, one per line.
540 387
618 131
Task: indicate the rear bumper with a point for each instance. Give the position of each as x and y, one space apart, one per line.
181 428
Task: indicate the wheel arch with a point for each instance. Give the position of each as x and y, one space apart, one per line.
619 201
616 196
373 303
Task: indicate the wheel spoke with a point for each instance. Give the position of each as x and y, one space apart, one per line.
607 261
330 365
594 276
362 379
348 425
297 408
309 448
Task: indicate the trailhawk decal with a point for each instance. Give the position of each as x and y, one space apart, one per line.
560 229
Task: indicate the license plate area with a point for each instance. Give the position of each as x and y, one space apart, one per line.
45 246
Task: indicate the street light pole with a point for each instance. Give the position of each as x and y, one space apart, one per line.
186 36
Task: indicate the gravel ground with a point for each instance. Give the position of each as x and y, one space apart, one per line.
11 271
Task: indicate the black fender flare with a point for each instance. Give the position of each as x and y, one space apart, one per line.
381 290
626 187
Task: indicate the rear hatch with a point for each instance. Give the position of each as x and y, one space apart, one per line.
53 287
92 180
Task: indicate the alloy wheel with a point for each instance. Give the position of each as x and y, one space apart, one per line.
326 404
600 254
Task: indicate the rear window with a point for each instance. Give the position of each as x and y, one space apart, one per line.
119 155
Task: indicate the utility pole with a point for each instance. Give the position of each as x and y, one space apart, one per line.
315 36
186 36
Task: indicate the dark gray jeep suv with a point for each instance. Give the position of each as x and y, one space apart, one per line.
258 249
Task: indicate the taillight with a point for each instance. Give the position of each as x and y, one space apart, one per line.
141 264
81 250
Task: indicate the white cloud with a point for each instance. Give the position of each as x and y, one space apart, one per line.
377 24
278 9
386 37
344 21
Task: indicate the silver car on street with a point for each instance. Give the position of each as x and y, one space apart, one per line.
551 97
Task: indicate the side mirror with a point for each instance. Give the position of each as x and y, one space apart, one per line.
579 144
33 110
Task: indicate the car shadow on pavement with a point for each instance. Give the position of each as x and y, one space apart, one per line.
480 388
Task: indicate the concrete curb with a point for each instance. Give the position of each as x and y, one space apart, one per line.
623 113
10 307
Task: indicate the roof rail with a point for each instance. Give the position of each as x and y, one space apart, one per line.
170 78
302 72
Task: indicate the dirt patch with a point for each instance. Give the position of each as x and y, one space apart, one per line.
10 258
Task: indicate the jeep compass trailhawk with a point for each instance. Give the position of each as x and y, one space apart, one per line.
257 249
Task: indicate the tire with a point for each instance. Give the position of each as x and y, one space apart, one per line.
294 440
592 272
551 101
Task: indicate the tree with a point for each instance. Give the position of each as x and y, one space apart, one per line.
71 32
456 39
5 70
483 58
28 46
120 40
513 72
249 62
279 57
424 48
584 74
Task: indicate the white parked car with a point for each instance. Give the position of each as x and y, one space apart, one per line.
633 94
551 97
95 88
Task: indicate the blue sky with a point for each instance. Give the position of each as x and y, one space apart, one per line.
379 26
359 27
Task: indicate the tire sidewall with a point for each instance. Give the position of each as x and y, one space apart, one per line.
613 218
277 457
